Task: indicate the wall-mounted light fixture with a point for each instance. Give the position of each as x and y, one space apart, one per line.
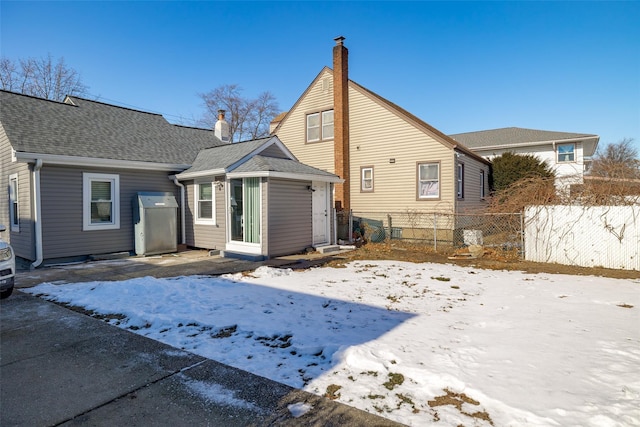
310 188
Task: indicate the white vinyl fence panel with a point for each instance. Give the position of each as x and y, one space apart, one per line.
587 236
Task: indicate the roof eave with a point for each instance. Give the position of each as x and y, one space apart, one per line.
595 138
198 174
286 175
56 159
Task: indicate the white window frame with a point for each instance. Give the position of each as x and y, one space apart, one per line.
421 181
460 181
571 153
114 180
14 204
198 219
364 179
323 124
482 179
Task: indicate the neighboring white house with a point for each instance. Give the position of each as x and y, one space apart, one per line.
567 154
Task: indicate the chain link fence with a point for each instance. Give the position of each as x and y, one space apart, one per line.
437 230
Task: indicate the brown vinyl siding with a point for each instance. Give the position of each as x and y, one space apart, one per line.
289 216
378 135
472 201
207 236
61 196
293 131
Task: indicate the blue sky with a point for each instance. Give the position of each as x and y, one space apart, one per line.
459 66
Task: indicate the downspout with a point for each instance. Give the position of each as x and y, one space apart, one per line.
183 229
37 213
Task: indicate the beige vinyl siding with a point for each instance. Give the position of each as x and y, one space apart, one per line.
61 197
207 236
289 219
471 202
292 131
378 135
22 241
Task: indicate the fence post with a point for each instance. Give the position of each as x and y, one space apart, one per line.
335 225
522 235
435 231
350 226
389 221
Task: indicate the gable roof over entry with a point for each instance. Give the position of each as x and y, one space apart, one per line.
260 157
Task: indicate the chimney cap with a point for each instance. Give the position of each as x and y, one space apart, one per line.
339 40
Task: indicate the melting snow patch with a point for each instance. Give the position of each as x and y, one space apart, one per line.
299 409
216 393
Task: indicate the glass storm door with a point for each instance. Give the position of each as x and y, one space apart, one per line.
245 210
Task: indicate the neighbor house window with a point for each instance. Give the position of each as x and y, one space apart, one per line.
482 180
101 201
428 180
367 179
320 126
205 203
13 203
460 181
566 153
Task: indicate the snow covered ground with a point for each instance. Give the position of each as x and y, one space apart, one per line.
422 344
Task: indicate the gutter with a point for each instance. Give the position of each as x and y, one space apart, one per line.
531 143
37 213
56 159
183 229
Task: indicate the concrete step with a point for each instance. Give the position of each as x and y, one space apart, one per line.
324 249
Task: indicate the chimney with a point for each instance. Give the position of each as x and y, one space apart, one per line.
221 129
341 122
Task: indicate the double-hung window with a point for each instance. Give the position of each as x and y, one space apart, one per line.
205 203
460 181
428 181
13 203
320 126
101 201
566 153
366 178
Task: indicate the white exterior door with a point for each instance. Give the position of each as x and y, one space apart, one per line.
320 208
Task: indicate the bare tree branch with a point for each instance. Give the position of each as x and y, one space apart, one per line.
247 118
41 77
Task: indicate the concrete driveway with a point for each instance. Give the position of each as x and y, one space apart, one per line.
60 367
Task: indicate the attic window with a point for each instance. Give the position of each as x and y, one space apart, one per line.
320 126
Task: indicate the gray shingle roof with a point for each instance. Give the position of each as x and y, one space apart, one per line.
224 156
228 158
93 129
273 164
514 135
